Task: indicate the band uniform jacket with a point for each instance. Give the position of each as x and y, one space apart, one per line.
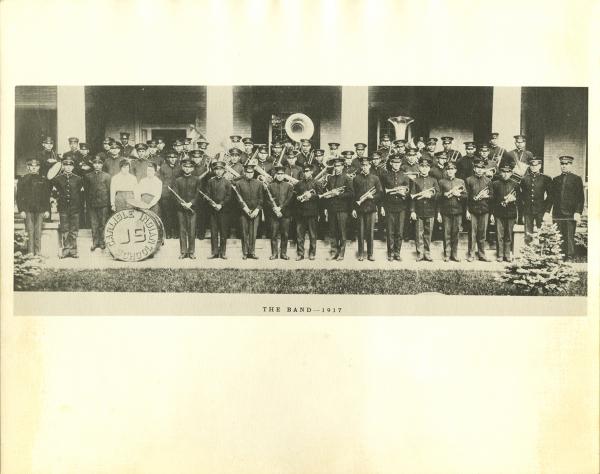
378 171
33 193
438 173
512 157
139 168
395 202
251 191
360 185
187 187
534 193
453 205
126 150
567 195
283 194
408 168
303 159
111 165
453 155
497 153
502 189
219 190
46 159
239 168
168 174
76 156
69 187
424 207
464 167
97 189
339 203
294 171
309 208
265 166
474 185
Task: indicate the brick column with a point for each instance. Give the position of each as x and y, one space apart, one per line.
355 116
219 117
506 114
70 115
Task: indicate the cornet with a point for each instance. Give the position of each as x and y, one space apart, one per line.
423 194
369 194
510 197
455 191
332 193
483 194
305 196
399 190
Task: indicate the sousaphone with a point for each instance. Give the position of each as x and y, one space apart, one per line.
299 126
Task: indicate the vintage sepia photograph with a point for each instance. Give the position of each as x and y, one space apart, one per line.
301 189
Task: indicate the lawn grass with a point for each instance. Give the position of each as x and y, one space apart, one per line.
385 282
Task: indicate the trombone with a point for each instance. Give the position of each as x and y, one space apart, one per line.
425 194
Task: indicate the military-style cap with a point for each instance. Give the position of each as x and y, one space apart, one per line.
196 154
141 146
151 143
519 137
218 164
400 141
484 147
319 152
68 161
160 140
114 146
248 168
177 143
534 161
565 159
187 161
333 145
97 159
447 140
376 155
347 153
187 140
235 138
395 159
73 140
432 141
305 140
478 163
363 160
107 141
124 134
278 169
469 144
293 154
424 160
83 146
443 155
47 140
276 144
420 139
494 135
360 146
247 141
202 141
33 162
450 166
263 149
411 152
123 162
171 154
505 169
234 151
335 161
385 136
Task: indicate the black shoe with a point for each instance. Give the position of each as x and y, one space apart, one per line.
213 256
340 258
192 256
182 256
398 258
253 257
285 257
273 257
360 258
428 258
74 255
420 258
223 256
455 259
244 257
92 248
484 259
102 247
370 258
311 257
333 257
299 257
446 259
390 258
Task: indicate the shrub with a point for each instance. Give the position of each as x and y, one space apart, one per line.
581 235
540 269
26 265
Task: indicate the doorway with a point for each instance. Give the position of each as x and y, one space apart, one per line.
169 134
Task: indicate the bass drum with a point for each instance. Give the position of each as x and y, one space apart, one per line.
132 235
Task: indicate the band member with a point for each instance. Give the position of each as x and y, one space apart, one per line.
333 149
97 193
429 151
496 151
395 205
567 204
399 148
126 148
291 168
261 159
349 167
307 211
202 144
438 168
236 142
491 163
234 163
121 187
202 171
534 194
161 153
187 145
178 147
112 164
317 163
47 156
251 200
424 192
519 156
187 186
453 155
360 150
277 154
480 192
385 146
453 193
200 165
280 195
305 156
420 145
464 165
69 187
73 152
219 190
504 213
149 189
168 173
83 164
105 149
152 152
410 163
338 195
139 165
248 150
33 202
367 193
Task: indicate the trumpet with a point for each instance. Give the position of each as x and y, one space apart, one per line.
332 193
369 194
455 191
423 194
483 194
305 196
510 197
401 190
290 179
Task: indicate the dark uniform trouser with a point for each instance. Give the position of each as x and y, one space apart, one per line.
504 236
280 227
451 229
187 231
304 223
531 220
169 210
477 233
69 228
424 227
366 229
249 228
337 224
98 217
203 219
567 228
395 231
33 226
218 229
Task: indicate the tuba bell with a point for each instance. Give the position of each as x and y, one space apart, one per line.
299 126
402 127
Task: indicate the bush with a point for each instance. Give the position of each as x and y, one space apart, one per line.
26 265
540 269
581 235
